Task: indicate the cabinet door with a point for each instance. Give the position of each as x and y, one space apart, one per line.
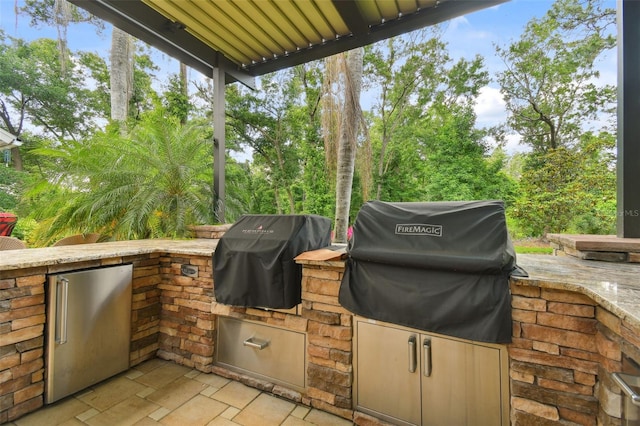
462 385
388 373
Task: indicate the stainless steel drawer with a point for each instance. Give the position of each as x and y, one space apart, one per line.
271 353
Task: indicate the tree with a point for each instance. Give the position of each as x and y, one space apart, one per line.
457 167
424 126
317 184
350 120
550 84
11 182
400 68
268 122
58 14
153 182
35 92
555 103
121 74
569 190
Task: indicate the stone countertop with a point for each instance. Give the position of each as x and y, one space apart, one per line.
614 286
35 257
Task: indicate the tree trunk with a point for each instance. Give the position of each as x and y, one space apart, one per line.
16 159
184 82
383 149
121 74
347 145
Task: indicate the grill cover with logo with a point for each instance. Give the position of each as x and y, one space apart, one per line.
440 266
253 263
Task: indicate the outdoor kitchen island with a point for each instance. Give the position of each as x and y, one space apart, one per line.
574 323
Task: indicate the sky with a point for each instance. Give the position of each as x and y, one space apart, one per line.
466 36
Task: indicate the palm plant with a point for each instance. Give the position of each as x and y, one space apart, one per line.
153 182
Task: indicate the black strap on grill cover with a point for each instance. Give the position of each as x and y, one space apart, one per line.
253 263
440 266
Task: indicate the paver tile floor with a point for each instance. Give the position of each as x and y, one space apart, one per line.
160 392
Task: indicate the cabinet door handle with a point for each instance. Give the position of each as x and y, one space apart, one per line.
413 361
426 347
256 344
62 296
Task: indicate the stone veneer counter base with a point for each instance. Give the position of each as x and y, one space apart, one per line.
614 286
575 322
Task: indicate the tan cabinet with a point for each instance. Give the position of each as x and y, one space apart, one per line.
411 377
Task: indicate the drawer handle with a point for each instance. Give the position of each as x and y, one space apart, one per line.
257 344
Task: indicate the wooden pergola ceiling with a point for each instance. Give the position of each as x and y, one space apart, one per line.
253 37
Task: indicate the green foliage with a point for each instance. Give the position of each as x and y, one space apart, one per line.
34 90
25 230
317 188
269 122
421 143
175 99
143 97
424 135
11 183
154 182
457 168
566 190
248 191
567 184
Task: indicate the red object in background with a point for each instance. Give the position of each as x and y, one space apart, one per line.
7 222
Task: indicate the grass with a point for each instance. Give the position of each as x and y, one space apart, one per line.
533 250
532 246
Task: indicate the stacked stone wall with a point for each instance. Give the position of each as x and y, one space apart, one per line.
145 307
186 321
329 346
22 320
564 348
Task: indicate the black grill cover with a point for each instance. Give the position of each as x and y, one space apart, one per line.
442 267
253 263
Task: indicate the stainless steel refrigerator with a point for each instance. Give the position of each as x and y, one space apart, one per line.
88 328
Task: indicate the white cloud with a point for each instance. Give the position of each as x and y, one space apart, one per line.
513 145
457 22
490 107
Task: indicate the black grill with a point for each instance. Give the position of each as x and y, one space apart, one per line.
253 263
442 267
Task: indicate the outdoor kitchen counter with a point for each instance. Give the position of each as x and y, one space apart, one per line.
614 286
563 320
36 257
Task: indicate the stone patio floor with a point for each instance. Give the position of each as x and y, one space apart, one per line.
159 392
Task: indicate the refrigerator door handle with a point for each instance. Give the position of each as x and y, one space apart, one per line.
62 293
